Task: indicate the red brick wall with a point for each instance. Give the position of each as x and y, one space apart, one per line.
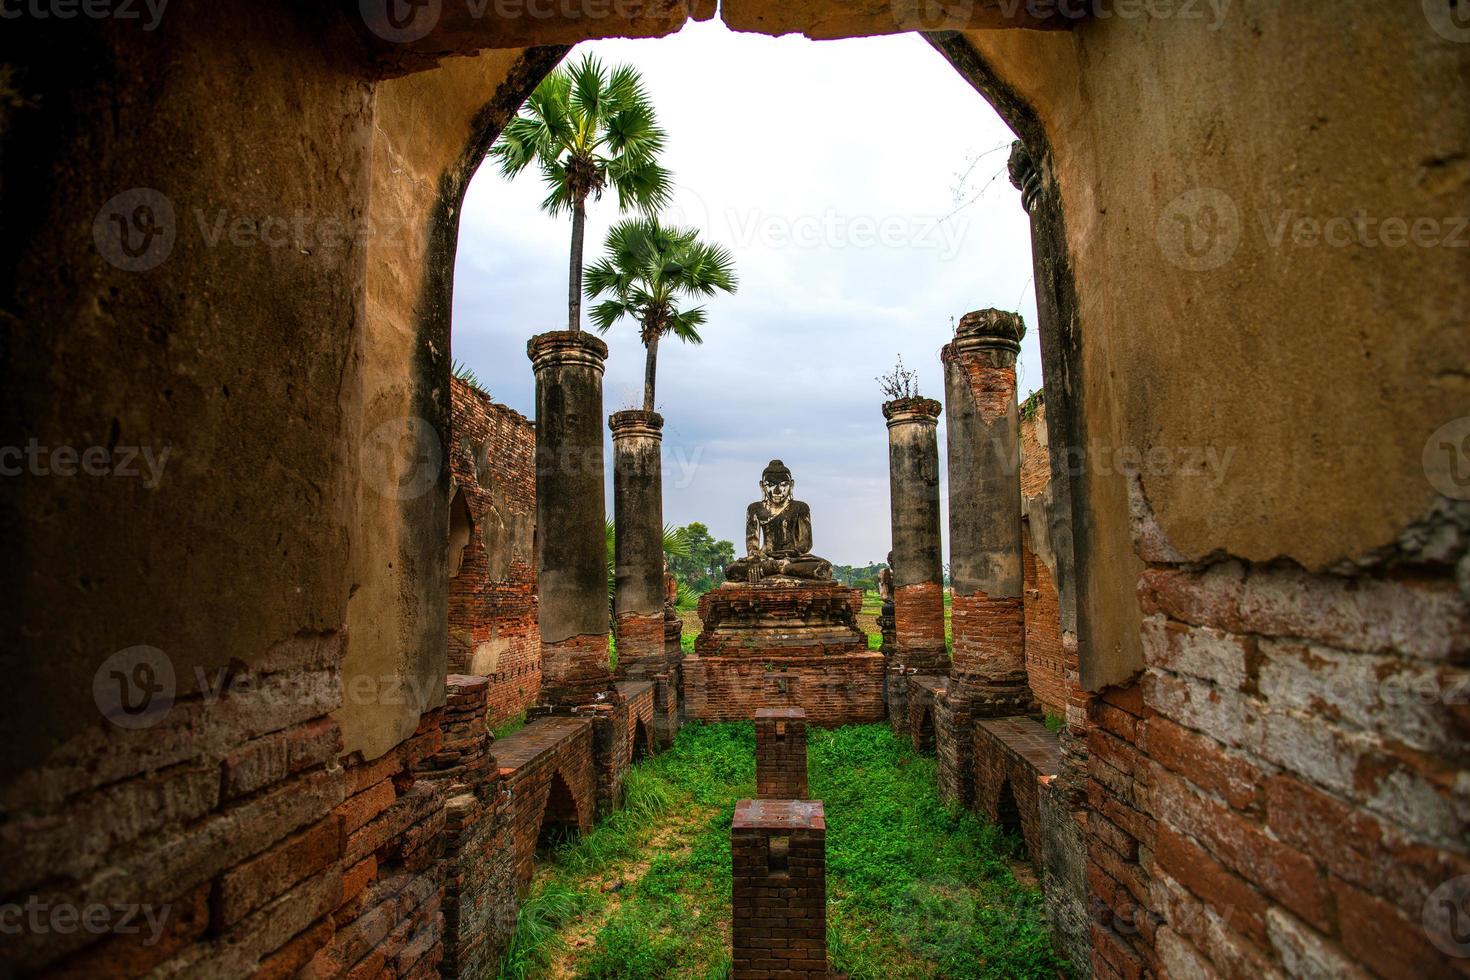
542 750
834 690
780 754
1285 789
492 599
1046 666
1012 756
779 890
1046 660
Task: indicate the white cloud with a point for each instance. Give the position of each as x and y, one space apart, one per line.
824 166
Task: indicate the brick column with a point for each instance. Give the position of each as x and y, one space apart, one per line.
571 536
780 754
779 893
638 514
989 669
918 557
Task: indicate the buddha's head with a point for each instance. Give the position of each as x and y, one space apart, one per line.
776 483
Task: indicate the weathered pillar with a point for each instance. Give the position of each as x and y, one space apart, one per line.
988 672
780 754
638 516
918 558
779 889
989 669
570 519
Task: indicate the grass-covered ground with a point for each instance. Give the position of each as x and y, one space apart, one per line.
914 890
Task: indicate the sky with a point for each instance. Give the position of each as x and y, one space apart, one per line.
861 187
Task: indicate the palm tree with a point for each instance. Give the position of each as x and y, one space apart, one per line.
647 270
587 127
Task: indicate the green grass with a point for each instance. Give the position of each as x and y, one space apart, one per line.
511 725
914 889
1055 722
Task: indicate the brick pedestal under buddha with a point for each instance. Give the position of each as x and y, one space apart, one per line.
783 645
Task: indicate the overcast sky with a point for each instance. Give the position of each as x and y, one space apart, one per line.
860 185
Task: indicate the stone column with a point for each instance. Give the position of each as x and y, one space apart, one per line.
570 515
989 669
638 513
918 562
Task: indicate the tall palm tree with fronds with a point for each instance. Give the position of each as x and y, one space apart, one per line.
647 271
588 128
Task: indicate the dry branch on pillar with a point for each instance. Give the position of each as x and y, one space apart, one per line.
638 521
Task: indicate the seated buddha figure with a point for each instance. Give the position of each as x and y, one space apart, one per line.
778 535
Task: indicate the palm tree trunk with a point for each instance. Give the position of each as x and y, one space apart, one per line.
650 371
574 289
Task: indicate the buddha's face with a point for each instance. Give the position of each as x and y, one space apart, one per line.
776 492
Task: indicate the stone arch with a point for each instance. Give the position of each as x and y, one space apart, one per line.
924 731
559 817
1007 813
461 530
642 742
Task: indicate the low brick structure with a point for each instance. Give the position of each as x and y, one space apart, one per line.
642 700
547 771
783 646
779 889
1014 759
492 574
780 754
924 691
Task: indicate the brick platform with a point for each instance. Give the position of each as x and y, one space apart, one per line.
547 769
1014 757
783 646
779 889
780 754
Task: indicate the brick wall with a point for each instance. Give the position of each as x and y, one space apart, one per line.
834 690
779 890
1047 666
492 598
549 751
780 754
1285 789
1014 758
1046 660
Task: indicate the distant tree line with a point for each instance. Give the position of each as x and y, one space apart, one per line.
703 566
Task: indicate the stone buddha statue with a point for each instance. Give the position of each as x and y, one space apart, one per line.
778 535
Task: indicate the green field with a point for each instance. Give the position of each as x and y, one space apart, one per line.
914 889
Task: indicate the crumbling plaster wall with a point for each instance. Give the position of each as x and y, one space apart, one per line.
1316 401
233 355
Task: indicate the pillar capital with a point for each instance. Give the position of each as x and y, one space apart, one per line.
565 348
907 411
636 423
988 329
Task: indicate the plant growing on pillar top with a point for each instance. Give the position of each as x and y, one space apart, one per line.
900 384
647 271
588 128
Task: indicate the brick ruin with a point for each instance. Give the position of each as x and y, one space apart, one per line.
234 703
492 580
